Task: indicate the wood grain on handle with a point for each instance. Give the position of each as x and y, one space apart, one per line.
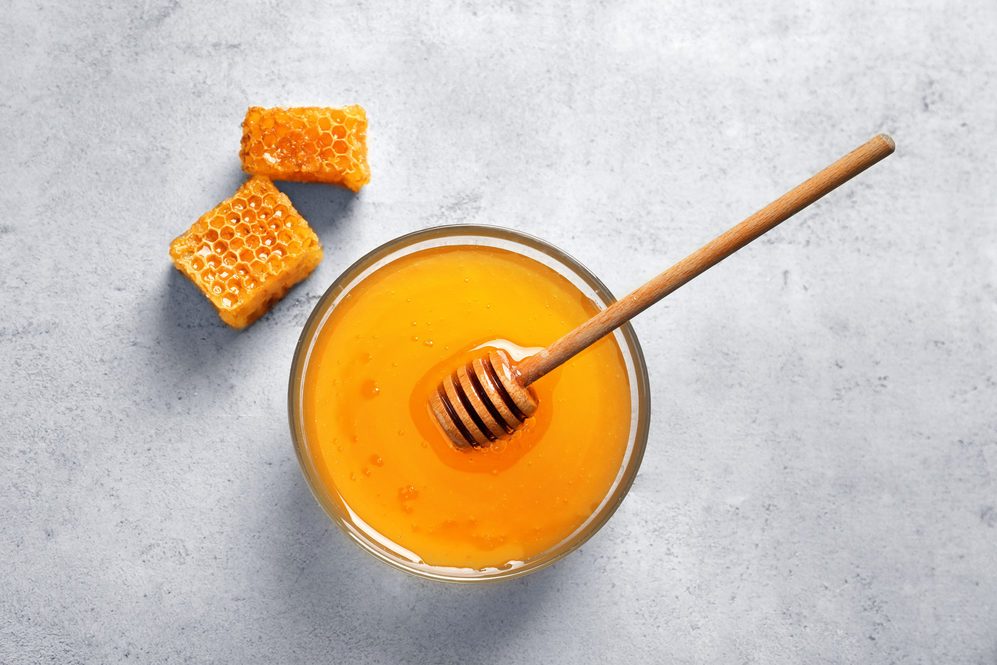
784 207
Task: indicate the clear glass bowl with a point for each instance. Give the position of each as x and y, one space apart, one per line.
528 246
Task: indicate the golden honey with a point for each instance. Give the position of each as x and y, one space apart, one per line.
374 445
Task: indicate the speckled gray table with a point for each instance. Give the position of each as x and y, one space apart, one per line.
821 482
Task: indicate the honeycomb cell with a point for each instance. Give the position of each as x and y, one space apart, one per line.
294 144
224 256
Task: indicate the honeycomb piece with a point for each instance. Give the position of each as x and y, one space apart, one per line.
309 144
248 251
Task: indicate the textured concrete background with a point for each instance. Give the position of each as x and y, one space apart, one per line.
821 483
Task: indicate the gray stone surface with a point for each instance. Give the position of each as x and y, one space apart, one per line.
821 483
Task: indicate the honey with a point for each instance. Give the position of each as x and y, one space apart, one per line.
376 449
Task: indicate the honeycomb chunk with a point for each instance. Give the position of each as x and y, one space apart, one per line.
308 144
248 251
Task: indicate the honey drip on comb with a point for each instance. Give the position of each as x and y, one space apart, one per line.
308 144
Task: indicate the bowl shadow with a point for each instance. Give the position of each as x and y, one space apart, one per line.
329 585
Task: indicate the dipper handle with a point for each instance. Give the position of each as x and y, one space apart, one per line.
707 256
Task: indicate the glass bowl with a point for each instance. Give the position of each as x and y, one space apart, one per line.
528 246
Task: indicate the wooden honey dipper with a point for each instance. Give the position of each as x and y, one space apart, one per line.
490 397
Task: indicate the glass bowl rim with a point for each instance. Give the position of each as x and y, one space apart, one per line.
631 347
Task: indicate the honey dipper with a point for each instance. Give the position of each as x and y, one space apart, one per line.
490 397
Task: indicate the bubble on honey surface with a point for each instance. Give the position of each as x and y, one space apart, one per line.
407 495
307 144
370 389
497 447
225 245
376 460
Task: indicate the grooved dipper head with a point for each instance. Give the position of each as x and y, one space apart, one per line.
482 400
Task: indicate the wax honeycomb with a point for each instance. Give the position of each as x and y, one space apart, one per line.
309 144
248 251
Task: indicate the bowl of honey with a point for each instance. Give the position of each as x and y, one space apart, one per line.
381 339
